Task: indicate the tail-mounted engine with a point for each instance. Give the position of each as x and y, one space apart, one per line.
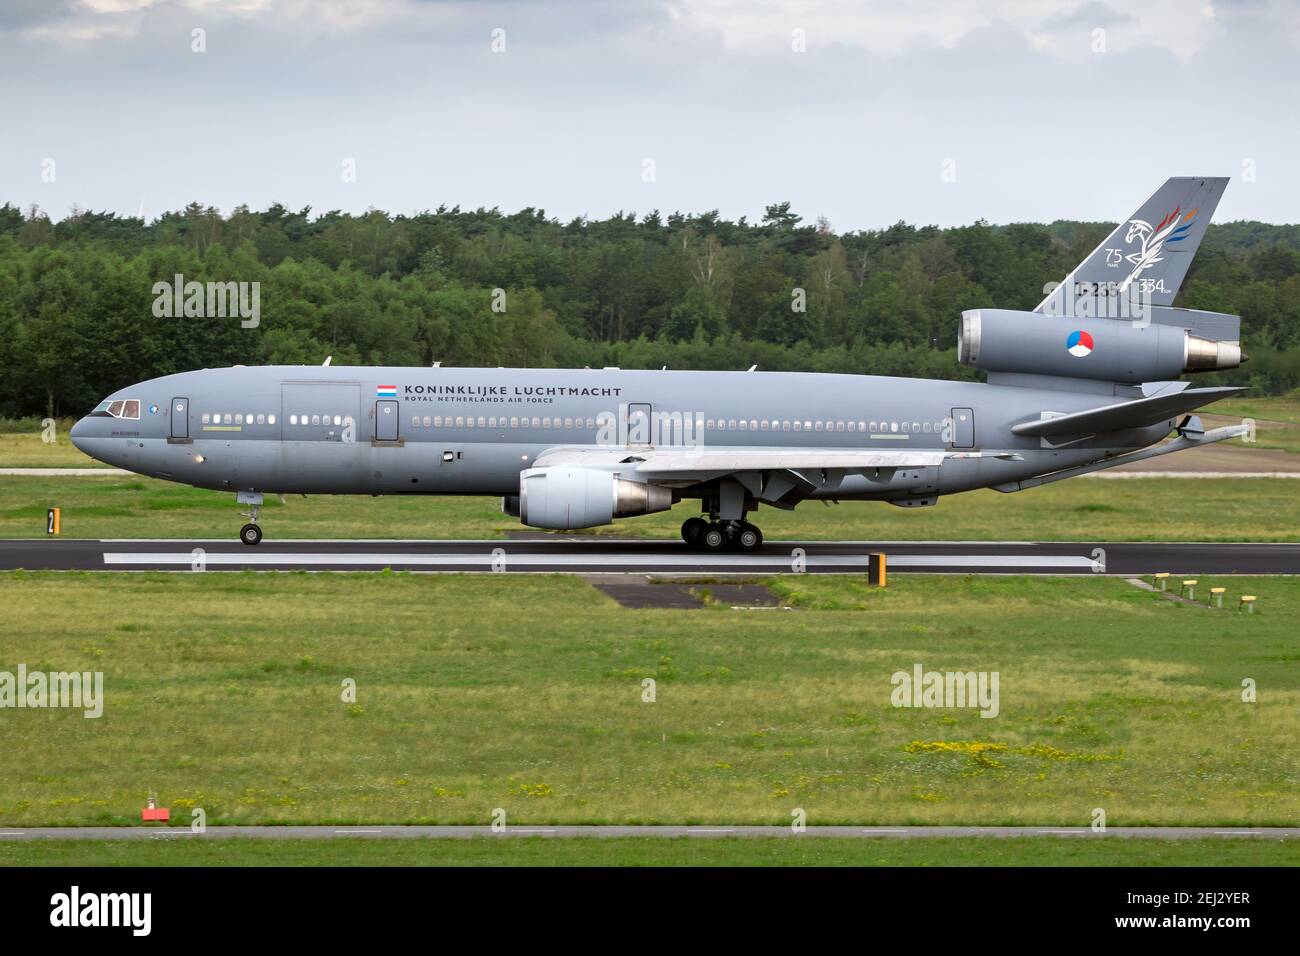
1112 350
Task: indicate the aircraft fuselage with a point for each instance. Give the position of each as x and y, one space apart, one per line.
471 431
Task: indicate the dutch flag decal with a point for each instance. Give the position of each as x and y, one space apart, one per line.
1078 343
390 391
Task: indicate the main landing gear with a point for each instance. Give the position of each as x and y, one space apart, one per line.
250 533
721 535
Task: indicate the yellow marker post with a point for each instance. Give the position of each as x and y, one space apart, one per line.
1248 602
1190 587
1218 596
1162 579
52 521
876 569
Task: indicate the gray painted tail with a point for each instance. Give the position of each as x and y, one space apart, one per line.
1148 254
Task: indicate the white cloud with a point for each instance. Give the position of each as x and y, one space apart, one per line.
855 128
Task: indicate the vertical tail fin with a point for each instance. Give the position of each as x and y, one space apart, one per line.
1148 254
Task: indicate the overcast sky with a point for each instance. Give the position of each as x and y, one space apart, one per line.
865 112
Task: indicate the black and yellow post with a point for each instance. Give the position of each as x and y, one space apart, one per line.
876 569
52 521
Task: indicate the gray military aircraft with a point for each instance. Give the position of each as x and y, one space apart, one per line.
1088 380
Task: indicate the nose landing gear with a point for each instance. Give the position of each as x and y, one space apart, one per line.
250 533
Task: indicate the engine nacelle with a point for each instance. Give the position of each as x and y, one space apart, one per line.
1111 350
566 498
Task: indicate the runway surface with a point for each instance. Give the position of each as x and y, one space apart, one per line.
607 832
588 555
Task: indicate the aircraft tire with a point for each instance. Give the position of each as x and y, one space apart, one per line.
748 537
692 530
250 534
714 537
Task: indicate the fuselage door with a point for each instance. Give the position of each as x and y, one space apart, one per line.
385 420
638 425
180 418
963 428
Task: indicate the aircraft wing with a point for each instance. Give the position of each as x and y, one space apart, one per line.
778 477
688 462
1123 415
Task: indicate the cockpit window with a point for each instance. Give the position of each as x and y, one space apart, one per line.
122 408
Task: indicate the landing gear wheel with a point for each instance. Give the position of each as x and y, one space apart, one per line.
714 537
748 537
250 534
693 529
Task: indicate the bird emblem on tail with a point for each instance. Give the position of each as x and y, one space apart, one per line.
1172 228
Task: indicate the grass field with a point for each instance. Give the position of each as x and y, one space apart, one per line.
1277 408
27 450
1277 419
525 693
537 851
1239 509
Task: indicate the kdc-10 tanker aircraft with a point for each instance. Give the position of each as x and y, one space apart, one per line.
1077 385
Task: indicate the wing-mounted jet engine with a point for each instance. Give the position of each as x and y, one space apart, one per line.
567 498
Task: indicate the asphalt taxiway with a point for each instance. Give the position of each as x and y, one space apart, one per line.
585 555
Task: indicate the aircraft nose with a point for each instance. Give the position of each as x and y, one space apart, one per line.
79 433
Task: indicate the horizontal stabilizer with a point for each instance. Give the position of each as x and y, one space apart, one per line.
1124 415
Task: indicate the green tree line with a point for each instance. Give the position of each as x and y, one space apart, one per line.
638 291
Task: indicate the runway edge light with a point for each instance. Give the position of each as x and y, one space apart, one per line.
52 520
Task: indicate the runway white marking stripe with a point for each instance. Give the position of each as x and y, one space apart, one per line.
65 472
511 559
1194 474
989 560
